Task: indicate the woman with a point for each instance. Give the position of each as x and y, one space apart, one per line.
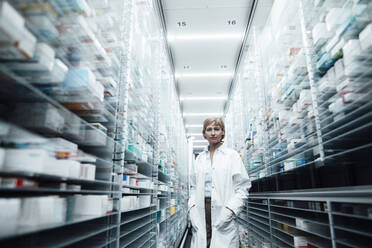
218 188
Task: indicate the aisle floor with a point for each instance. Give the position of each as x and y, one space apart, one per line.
187 243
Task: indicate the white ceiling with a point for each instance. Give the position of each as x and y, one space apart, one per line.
205 38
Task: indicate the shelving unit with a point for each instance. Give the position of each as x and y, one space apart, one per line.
326 218
306 123
85 79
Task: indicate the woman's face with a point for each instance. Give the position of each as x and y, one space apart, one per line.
213 133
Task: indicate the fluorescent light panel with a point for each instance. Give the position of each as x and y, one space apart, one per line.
205 36
194 134
193 125
206 98
204 74
202 114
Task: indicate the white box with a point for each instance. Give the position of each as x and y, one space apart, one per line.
351 51
62 145
37 211
29 160
365 38
305 99
84 81
74 168
43 60
125 203
9 215
94 137
11 23
2 158
320 34
88 171
133 181
90 205
335 17
144 183
349 85
60 210
302 223
300 241
56 167
45 28
144 201
337 106
54 77
41 116
339 70
24 48
110 205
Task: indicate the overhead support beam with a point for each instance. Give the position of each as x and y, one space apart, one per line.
232 87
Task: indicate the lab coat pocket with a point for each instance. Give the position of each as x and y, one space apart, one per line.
225 219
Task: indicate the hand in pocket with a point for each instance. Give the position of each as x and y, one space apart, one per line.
193 217
226 217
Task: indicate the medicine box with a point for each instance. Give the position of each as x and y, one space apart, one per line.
28 160
9 216
42 117
42 61
90 205
38 211
57 168
53 77
365 38
22 49
45 29
11 23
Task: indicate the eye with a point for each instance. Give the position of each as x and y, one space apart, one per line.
216 129
209 129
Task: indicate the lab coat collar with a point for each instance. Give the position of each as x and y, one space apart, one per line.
222 149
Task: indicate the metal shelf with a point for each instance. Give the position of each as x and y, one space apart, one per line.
282 238
162 177
52 191
73 238
261 227
133 227
301 209
260 215
41 177
137 209
260 209
258 220
24 230
293 225
131 238
302 217
136 217
351 215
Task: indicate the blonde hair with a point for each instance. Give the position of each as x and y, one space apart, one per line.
217 121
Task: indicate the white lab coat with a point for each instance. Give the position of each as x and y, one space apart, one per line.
230 185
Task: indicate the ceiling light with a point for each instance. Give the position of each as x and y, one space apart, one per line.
194 134
193 125
211 74
205 36
202 114
207 98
